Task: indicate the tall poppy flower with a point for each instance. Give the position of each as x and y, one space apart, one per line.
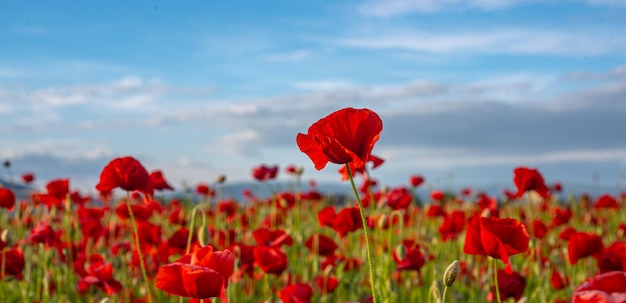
345 136
526 179
603 288
495 237
126 173
201 274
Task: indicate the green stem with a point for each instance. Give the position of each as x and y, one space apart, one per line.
495 279
142 265
365 230
191 227
443 298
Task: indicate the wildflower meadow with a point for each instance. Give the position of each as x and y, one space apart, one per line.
380 244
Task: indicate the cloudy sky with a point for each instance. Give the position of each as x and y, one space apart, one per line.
467 89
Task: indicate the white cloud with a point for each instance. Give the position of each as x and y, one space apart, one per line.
607 2
297 55
323 85
490 41
391 8
446 158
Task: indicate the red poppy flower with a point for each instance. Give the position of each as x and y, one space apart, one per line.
495 237
399 198
358 167
603 288
296 293
202 274
347 135
326 216
326 284
126 173
409 256
452 225
416 180
204 190
100 275
582 244
347 220
58 188
141 212
28 177
325 245
264 173
159 182
529 179
558 280
437 195
435 210
510 195
274 238
293 170
540 229
510 284
43 233
561 216
606 201
566 233
14 263
465 192
613 257
270 259
621 230
7 198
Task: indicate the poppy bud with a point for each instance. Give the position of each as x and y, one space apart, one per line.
401 251
449 276
203 236
299 171
7 163
6 237
220 179
435 291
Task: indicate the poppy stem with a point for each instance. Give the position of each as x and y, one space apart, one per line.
142 265
365 230
495 279
191 228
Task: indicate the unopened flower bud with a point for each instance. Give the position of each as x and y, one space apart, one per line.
220 179
6 237
449 276
401 252
203 236
435 292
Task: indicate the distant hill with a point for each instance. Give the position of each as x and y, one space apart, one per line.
21 191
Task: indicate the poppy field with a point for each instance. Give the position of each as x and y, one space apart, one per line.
131 244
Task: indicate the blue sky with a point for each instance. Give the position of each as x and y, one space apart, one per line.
469 89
